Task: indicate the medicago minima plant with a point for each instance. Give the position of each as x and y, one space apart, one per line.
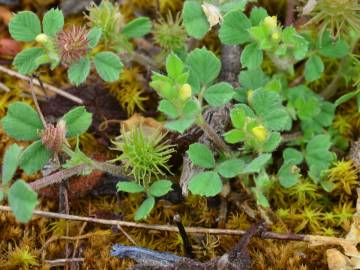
280 128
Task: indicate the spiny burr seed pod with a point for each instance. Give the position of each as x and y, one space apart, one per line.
72 44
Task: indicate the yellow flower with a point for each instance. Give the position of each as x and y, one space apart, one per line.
275 36
260 133
271 22
42 38
185 91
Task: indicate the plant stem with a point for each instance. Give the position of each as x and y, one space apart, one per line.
46 86
213 136
36 103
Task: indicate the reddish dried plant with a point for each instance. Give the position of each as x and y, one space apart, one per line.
72 44
53 137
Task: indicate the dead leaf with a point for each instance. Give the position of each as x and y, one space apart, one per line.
9 47
337 261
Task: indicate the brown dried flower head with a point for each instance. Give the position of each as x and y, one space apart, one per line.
53 137
72 44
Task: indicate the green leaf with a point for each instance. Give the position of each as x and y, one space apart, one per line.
253 78
257 15
160 188
293 155
237 116
130 187
251 56
268 105
1 196
205 184
329 48
53 22
204 65
201 156
10 163
168 108
195 21
137 28
145 208
260 198
231 168
180 125
26 60
191 109
22 200
34 157
288 177
22 122
94 36
219 94
108 66
272 142
174 66
318 157
314 67
233 30
234 136
78 72
78 120
24 26
257 164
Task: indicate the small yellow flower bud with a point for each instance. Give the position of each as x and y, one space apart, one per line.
260 133
42 38
185 91
275 36
271 22
250 95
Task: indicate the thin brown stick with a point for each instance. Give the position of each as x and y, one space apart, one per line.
37 103
62 262
214 137
46 86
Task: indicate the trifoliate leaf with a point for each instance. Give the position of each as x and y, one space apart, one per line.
94 36
26 60
108 66
22 200
22 122
137 28
231 168
78 72
219 94
145 208
195 21
10 163
314 67
204 65
77 120
53 22
201 155
233 30
205 184
24 26
257 164
160 188
268 106
130 187
251 56
34 157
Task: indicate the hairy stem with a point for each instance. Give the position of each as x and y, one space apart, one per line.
214 137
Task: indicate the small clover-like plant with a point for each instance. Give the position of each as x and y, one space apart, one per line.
21 198
23 123
145 157
71 47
